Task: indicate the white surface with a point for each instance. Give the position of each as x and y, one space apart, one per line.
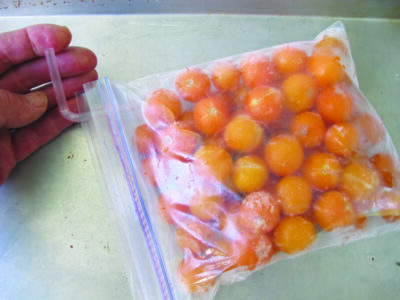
56 239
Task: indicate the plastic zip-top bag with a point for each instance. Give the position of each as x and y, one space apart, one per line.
226 167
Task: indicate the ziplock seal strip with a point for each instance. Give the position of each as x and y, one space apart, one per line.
147 229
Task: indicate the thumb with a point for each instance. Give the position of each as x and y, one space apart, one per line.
20 110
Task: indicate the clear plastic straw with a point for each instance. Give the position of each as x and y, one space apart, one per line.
59 90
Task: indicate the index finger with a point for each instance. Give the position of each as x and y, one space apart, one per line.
28 43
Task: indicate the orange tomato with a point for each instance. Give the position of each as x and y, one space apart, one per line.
252 251
326 68
243 134
244 254
264 104
162 108
294 234
389 205
371 130
322 170
283 154
289 60
386 167
299 91
148 166
187 120
256 70
239 96
220 249
212 161
193 84
342 139
206 203
334 106
359 181
259 212
167 98
330 45
164 206
194 229
249 173
224 97
226 76
175 140
264 248
294 195
210 115
216 140
184 240
308 128
198 275
361 221
145 139
167 208
334 209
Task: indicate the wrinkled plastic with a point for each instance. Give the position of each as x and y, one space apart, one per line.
215 204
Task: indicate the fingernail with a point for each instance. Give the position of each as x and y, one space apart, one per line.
37 100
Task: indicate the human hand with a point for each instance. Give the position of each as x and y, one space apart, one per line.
29 117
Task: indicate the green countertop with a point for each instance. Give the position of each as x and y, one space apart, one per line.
56 238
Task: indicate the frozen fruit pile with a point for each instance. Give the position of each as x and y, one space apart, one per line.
274 148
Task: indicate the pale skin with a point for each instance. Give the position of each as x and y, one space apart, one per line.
29 117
